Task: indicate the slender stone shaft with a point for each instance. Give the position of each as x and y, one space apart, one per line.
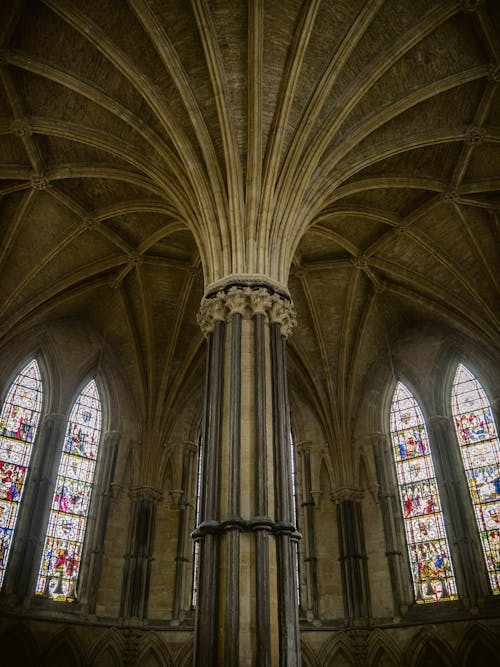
138 558
247 601
353 559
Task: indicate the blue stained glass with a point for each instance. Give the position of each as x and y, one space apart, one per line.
18 425
478 439
428 550
63 546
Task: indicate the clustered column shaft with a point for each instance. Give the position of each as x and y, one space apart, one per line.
353 559
246 533
399 571
138 558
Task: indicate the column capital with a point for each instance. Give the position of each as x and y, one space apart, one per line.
55 418
304 446
344 493
247 299
439 421
375 438
145 493
190 446
112 437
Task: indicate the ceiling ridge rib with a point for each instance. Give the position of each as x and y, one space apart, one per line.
294 194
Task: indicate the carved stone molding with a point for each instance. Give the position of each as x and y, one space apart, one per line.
344 493
55 418
359 262
470 6
145 493
494 73
400 229
474 135
20 127
247 301
134 258
255 281
451 194
175 498
38 183
90 222
439 420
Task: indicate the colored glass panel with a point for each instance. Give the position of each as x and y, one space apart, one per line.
18 425
428 550
63 546
478 439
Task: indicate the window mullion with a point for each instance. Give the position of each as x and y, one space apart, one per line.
35 512
461 525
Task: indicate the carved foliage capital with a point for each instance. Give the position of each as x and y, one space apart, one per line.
147 493
344 493
247 302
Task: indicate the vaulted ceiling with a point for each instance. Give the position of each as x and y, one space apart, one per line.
348 148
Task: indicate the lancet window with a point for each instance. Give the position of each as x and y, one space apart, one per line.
428 550
478 440
18 426
62 551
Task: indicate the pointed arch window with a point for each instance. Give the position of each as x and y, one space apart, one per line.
61 556
478 440
18 425
428 550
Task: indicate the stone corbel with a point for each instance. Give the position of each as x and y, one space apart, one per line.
175 498
316 497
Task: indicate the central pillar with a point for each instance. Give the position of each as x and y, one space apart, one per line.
247 610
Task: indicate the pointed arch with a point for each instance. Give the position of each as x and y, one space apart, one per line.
65 649
477 437
184 656
18 426
336 650
19 646
479 646
154 652
61 556
383 651
107 651
427 543
307 654
426 648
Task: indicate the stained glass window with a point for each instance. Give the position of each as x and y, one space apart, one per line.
428 550
18 425
63 546
478 440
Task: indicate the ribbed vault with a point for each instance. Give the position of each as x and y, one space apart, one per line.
347 149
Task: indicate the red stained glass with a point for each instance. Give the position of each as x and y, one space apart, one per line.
18 425
479 446
63 546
